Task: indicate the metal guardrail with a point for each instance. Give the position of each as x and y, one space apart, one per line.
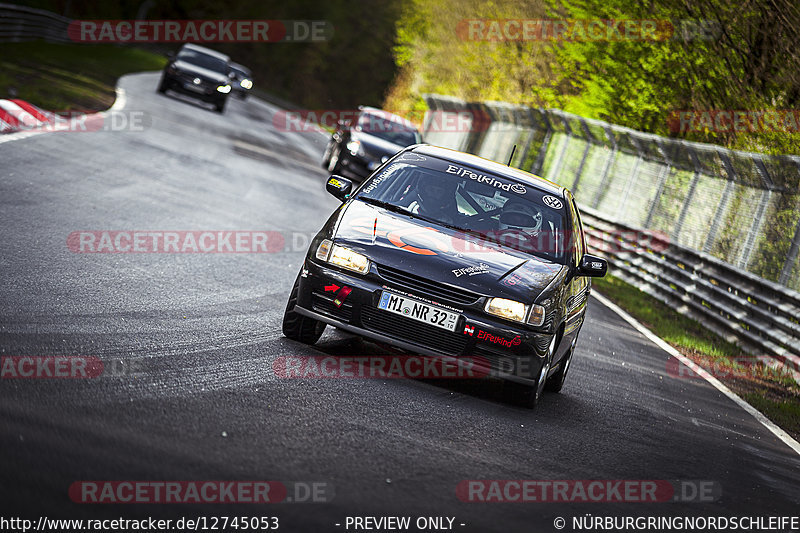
21 23
713 218
740 307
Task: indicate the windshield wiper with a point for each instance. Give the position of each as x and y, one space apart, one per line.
386 205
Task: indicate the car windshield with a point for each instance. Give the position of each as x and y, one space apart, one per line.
203 60
486 206
240 73
387 129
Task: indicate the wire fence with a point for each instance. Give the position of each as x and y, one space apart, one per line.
742 208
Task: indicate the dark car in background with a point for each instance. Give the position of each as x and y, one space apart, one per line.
242 80
361 145
449 255
199 72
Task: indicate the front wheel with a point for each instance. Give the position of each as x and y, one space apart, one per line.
298 327
556 381
219 105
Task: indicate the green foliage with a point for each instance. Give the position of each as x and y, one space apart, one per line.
355 66
707 55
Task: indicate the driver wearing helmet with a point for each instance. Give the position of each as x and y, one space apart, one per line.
519 224
435 199
520 216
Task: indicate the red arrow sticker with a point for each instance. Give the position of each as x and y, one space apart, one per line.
329 288
342 295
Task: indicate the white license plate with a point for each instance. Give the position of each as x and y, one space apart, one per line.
193 87
418 311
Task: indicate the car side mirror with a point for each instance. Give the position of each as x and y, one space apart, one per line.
170 55
339 187
592 266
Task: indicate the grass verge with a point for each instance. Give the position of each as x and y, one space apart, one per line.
69 77
773 393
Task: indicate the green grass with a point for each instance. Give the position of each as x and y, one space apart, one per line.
69 77
774 394
785 414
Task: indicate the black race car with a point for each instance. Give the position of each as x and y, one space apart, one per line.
446 254
242 80
199 72
361 145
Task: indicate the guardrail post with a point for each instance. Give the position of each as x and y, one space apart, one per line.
791 257
758 220
560 161
523 155
634 174
539 163
606 167
723 204
663 174
689 196
589 140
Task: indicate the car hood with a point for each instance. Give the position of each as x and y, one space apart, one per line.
444 255
200 72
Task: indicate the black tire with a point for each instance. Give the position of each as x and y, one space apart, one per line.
298 327
162 86
219 105
334 160
556 381
527 395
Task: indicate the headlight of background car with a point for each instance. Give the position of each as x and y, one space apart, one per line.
343 257
247 84
224 89
354 147
508 309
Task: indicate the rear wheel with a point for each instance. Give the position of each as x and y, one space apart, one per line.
298 327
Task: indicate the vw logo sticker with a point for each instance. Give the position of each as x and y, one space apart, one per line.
552 201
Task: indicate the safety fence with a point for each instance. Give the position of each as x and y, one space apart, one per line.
725 224
20 24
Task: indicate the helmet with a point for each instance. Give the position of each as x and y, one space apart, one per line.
435 195
520 216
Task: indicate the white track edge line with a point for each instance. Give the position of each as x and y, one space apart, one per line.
661 343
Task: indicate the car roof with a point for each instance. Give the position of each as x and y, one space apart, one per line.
490 167
204 50
388 115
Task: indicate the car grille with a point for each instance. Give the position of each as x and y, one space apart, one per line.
412 331
324 305
426 287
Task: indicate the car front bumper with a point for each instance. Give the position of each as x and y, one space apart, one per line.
514 353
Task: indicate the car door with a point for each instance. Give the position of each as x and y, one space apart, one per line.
579 286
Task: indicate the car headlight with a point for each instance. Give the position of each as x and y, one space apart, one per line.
247 84
354 147
224 89
343 257
536 318
508 309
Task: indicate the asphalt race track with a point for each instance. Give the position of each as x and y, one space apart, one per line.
188 342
